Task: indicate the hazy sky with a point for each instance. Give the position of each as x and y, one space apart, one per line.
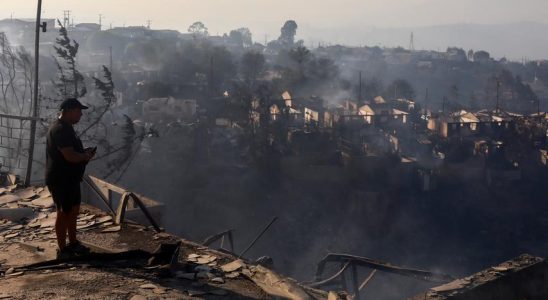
266 16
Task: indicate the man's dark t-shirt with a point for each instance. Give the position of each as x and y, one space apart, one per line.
58 170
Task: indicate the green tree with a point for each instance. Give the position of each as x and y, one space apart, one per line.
288 32
241 36
198 29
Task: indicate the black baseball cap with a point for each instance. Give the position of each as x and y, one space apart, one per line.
71 103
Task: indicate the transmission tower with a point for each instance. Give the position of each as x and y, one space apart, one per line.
66 18
412 42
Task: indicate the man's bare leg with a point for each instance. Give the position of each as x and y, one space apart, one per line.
73 217
61 225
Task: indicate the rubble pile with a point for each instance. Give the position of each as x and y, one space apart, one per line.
208 268
123 264
523 277
29 214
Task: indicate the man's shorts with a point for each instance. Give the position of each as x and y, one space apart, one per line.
66 196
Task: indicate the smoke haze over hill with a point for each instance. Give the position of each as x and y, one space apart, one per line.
504 28
514 41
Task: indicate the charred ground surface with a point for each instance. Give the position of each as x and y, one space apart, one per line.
130 261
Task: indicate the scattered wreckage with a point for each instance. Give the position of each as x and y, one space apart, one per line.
135 261
128 260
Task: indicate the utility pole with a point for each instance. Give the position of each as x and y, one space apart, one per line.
100 21
211 76
443 104
110 57
35 96
538 110
498 88
148 24
412 43
360 90
426 99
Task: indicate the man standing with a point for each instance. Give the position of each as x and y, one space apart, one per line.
66 161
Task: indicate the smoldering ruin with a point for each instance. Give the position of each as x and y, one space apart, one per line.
370 172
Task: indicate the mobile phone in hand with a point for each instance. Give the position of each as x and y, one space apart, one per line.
92 149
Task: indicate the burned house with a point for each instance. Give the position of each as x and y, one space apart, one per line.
301 113
543 157
461 123
496 123
160 110
498 168
383 114
378 112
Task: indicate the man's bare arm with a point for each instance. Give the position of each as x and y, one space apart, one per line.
75 157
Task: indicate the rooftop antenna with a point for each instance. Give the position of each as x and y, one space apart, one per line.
412 42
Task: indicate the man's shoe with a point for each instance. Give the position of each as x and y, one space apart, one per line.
64 253
78 249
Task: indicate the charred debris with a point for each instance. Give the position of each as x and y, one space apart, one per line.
134 261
